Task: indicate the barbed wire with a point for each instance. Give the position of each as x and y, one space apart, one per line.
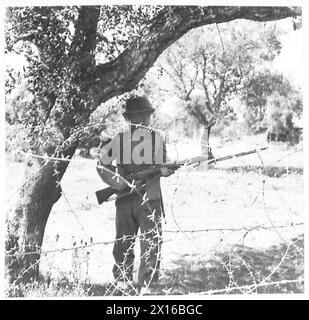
133 187
93 244
248 287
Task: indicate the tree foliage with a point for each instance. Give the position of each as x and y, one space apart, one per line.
210 66
60 54
75 55
266 95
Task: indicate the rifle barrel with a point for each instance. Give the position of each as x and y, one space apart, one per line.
194 161
236 155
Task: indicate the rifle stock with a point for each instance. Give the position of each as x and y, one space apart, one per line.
104 194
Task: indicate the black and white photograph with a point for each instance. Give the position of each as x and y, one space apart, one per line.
153 150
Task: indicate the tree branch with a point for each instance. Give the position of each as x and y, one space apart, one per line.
218 98
193 81
125 72
84 42
208 102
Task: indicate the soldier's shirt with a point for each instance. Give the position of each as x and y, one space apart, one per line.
154 142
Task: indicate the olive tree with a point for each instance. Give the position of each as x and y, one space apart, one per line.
212 65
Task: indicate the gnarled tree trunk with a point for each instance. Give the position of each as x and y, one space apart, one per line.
27 221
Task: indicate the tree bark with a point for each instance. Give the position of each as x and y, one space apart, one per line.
204 137
26 223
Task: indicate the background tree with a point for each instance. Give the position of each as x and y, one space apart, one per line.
211 66
262 92
79 58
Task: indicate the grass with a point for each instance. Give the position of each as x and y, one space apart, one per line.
245 196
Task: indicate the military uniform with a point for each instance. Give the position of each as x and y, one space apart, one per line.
133 213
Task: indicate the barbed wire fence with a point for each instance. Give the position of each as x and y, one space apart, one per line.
81 252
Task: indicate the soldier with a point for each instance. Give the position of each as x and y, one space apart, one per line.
137 211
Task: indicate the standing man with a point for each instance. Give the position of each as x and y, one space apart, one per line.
138 210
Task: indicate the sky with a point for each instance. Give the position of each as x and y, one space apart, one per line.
290 60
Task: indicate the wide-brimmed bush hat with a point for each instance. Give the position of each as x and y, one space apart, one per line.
138 105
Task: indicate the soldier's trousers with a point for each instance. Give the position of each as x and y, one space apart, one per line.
131 215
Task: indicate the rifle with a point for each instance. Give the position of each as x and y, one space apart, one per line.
106 193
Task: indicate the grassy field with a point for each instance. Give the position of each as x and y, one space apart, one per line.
234 227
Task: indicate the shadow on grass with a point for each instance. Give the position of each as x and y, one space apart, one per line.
238 271
240 267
